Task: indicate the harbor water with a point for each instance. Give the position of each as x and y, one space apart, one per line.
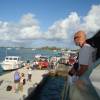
50 89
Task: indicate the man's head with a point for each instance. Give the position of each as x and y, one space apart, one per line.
80 38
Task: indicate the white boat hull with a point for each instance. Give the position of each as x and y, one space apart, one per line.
10 66
11 63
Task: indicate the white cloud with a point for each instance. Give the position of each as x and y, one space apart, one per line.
28 20
65 29
28 29
31 32
61 29
91 21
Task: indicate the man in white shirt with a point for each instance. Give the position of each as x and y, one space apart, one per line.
87 56
87 53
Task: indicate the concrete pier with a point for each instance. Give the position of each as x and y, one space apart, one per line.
8 79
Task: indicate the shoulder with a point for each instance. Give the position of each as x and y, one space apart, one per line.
86 51
91 49
88 47
85 48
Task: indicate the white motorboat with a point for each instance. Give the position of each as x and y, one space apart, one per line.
11 63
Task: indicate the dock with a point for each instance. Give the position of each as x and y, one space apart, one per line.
8 79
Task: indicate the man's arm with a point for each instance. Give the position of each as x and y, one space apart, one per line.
82 70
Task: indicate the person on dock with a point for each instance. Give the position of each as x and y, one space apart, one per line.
22 82
27 65
16 80
29 74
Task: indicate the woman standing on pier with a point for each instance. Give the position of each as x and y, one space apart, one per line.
22 82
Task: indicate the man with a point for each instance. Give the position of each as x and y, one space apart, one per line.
87 56
87 53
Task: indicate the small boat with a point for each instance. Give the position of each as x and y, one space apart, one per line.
11 63
38 56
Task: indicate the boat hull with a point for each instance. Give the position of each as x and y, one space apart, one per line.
11 63
7 67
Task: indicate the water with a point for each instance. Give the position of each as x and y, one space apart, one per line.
24 53
50 90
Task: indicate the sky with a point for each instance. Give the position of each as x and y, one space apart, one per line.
38 23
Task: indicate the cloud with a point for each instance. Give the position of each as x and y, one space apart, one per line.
61 33
91 21
30 28
60 29
65 29
27 28
28 20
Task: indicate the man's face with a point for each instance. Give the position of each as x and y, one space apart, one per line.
77 40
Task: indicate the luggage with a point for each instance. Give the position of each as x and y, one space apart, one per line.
9 88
